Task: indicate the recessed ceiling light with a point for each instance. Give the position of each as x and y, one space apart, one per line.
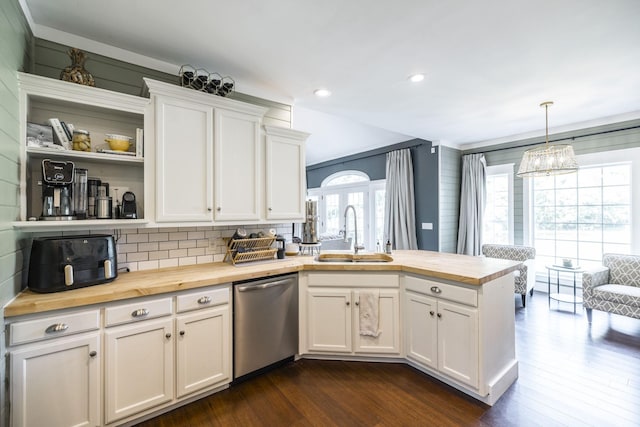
415 78
322 93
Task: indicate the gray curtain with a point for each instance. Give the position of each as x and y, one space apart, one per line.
472 199
399 206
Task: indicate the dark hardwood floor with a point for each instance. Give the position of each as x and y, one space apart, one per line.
570 374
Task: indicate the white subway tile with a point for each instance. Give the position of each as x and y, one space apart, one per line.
158 255
187 229
204 259
203 243
207 228
137 238
122 258
168 245
178 253
184 244
146 247
171 262
218 258
138 256
148 265
195 251
212 234
187 261
178 236
195 235
158 237
129 231
169 229
127 247
132 266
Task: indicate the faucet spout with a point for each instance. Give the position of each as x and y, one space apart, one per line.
356 247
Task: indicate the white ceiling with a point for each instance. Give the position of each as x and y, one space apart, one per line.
488 64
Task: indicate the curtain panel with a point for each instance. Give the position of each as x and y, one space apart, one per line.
472 200
400 211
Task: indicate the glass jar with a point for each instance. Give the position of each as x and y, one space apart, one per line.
81 140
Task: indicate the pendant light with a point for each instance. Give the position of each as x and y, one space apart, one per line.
549 159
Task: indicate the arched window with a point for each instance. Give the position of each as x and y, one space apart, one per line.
351 187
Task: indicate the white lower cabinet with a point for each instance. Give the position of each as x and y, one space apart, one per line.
112 364
442 335
203 350
139 367
58 383
332 314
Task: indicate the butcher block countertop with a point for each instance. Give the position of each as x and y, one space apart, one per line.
459 268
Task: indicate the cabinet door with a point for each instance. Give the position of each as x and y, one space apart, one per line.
203 356
184 159
421 329
57 384
458 342
238 168
329 320
139 367
286 178
388 341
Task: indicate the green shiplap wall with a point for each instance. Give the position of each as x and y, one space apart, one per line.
15 47
50 58
449 197
598 139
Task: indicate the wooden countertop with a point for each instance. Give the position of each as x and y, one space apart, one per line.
460 268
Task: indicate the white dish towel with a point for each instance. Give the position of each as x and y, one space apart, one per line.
369 313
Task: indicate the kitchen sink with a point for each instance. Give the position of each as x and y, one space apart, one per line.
351 257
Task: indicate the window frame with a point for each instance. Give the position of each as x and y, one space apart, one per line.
506 169
629 156
368 187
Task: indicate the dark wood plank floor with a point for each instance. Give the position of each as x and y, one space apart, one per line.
570 374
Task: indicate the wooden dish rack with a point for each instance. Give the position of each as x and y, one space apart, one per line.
245 250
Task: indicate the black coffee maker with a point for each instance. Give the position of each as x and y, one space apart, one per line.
57 179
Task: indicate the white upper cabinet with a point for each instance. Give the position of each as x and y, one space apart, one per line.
286 183
212 165
184 159
238 167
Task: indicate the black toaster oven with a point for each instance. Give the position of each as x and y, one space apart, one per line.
63 263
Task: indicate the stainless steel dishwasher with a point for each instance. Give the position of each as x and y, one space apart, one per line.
265 323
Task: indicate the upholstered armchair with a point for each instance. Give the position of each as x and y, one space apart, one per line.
524 281
614 287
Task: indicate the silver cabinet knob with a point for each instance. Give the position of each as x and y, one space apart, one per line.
56 328
348 303
218 208
168 335
141 312
209 209
270 209
181 333
93 353
436 290
439 315
431 313
204 300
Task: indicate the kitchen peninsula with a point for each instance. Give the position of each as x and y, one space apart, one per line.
450 316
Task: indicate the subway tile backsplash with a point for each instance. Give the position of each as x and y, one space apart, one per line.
153 248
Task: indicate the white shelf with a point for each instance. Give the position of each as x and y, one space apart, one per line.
74 225
88 156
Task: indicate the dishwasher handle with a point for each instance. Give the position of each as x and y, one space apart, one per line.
261 286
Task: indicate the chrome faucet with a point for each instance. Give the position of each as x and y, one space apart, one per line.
356 247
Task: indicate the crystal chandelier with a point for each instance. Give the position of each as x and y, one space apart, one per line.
549 159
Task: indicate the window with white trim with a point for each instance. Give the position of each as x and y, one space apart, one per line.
497 225
583 215
344 188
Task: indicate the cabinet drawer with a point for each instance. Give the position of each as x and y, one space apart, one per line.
137 311
353 280
442 290
53 326
202 299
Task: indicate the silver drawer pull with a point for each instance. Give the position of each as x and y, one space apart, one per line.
141 312
204 300
58 327
435 290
